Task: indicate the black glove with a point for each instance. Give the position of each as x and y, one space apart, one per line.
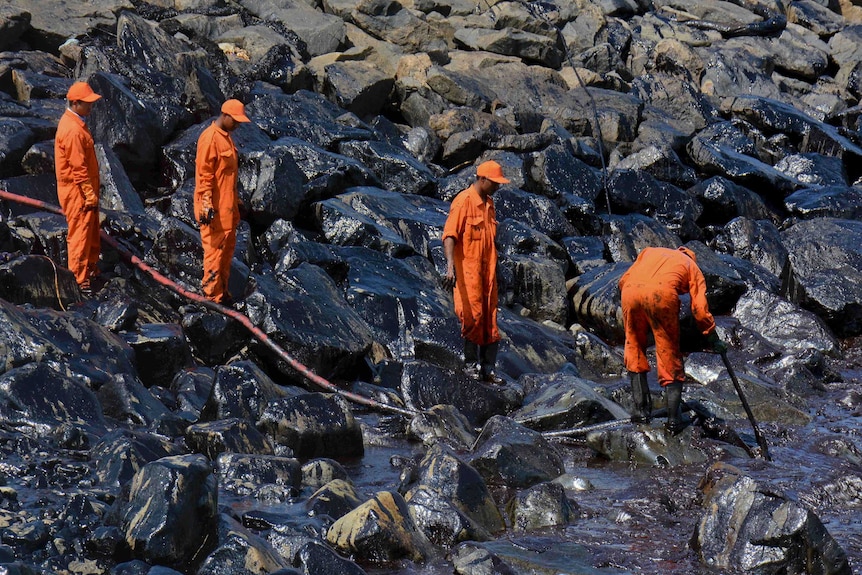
207 217
717 346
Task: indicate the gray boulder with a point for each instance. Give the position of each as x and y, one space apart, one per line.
55 23
783 323
509 454
564 401
751 525
321 33
823 275
356 86
541 506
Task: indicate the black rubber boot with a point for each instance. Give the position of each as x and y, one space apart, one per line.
488 361
642 412
673 394
471 359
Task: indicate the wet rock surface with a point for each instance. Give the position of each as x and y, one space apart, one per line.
142 433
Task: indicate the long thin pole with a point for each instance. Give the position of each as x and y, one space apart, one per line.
761 441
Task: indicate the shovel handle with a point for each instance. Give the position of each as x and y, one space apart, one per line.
761 441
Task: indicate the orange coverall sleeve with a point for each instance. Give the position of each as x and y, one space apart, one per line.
454 227
699 305
205 173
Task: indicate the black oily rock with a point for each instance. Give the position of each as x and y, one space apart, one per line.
758 241
119 454
445 474
732 94
417 219
508 453
823 275
318 559
563 401
178 521
226 435
335 499
313 425
232 544
440 520
244 473
724 200
844 202
541 506
543 214
424 385
241 390
725 539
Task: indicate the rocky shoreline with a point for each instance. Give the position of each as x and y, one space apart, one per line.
143 433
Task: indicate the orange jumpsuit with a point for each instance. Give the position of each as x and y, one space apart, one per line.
77 173
216 166
472 223
650 300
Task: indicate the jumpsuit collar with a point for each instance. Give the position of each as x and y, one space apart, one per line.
221 131
476 198
75 114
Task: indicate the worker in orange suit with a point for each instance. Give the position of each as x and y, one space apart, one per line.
471 269
650 291
216 202
77 173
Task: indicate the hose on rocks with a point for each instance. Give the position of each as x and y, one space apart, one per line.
256 332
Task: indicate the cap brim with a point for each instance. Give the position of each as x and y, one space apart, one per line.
91 98
499 180
239 117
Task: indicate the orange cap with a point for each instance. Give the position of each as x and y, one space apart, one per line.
81 92
688 252
492 171
235 110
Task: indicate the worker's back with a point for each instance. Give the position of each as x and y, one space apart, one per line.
660 266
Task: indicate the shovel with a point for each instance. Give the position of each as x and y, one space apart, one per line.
761 441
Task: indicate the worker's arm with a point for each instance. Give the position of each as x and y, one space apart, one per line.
205 166
700 310
449 251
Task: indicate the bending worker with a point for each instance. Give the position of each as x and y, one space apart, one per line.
78 183
650 300
471 269
216 202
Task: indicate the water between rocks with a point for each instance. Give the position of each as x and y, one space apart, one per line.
639 519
